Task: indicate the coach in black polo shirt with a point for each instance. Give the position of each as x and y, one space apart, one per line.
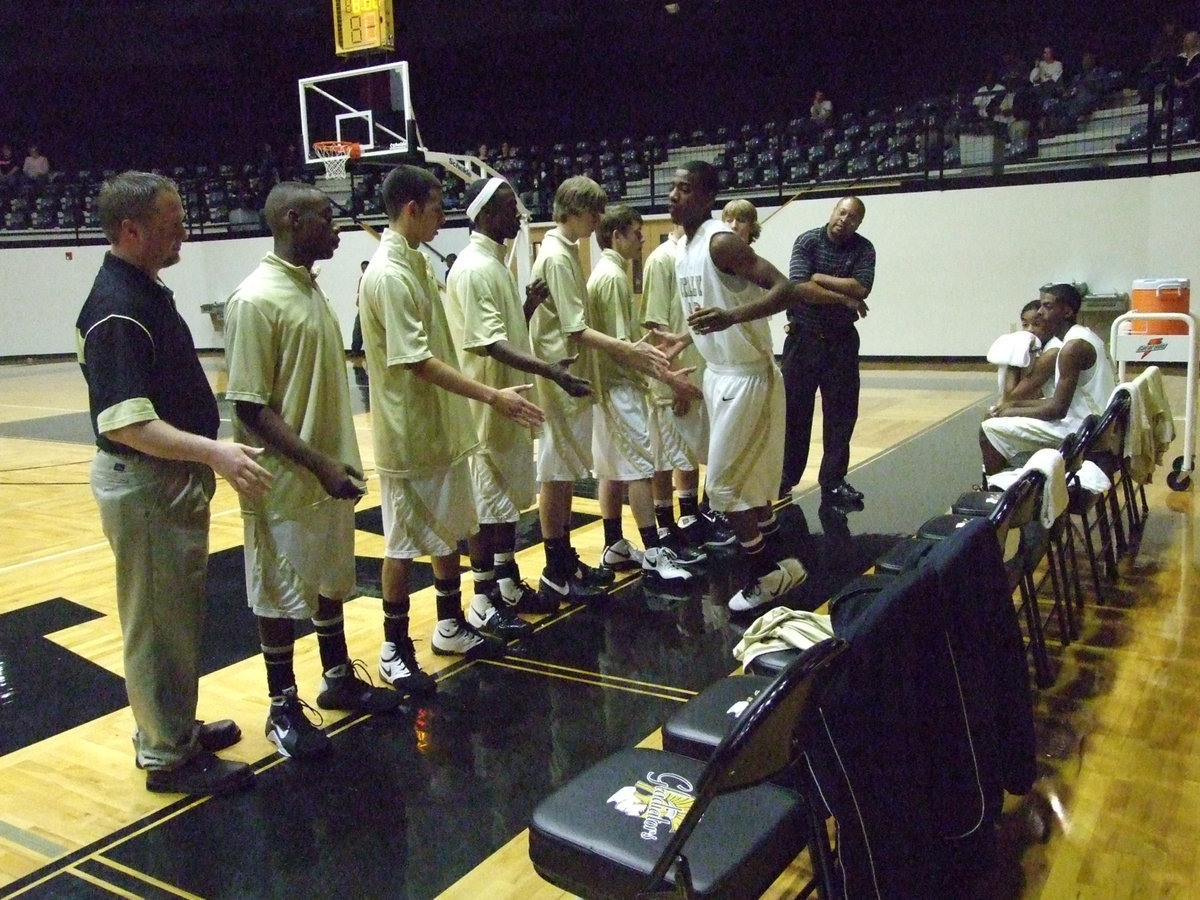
156 423
821 349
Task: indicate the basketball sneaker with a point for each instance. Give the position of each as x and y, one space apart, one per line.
787 574
289 729
524 599
621 556
342 688
496 619
685 555
398 666
708 532
589 576
454 637
659 565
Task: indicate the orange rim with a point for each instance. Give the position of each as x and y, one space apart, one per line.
338 148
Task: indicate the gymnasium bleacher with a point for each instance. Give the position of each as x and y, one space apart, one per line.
932 142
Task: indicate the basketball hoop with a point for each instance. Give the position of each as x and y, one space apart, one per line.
335 154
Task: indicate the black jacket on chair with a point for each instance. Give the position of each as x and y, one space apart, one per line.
927 725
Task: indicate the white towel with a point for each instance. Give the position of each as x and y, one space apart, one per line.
1054 495
782 629
1017 348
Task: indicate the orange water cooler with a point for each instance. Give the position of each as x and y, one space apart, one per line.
1160 295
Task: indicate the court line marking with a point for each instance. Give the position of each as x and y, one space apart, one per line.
594 682
30 841
148 879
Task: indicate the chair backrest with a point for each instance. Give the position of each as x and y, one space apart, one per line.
1075 446
1019 505
1110 431
763 742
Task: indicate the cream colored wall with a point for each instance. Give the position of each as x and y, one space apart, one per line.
953 269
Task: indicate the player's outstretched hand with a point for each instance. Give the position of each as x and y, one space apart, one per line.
645 358
708 321
536 293
510 404
572 384
341 480
236 464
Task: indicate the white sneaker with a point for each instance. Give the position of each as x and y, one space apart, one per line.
620 556
454 637
398 666
660 564
787 574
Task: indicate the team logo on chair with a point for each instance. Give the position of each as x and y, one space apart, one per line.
659 800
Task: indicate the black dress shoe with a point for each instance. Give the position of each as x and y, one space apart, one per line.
217 736
201 774
841 492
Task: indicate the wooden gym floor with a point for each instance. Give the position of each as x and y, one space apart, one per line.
434 802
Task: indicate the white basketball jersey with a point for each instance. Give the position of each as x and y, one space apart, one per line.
701 283
1096 384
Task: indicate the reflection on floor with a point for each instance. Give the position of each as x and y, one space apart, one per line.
435 800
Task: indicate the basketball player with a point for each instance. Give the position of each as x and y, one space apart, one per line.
488 323
287 379
621 443
727 291
423 432
559 328
679 426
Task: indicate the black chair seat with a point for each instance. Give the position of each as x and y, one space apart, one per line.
976 503
581 841
698 726
941 527
642 820
904 555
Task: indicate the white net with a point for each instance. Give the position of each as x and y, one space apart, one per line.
334 154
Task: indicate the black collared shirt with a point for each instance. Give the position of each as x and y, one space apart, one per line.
814 253
138 357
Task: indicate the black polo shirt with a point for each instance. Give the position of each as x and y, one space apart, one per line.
138 357
814 253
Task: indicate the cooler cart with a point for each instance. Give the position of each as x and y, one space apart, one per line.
1180 346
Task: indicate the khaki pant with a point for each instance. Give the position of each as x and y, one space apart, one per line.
155 516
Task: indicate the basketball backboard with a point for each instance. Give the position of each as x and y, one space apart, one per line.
370 106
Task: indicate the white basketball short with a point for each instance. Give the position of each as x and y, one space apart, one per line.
679 442
1011 435
427 515
564 450
746 410
621 444
289 562
504 483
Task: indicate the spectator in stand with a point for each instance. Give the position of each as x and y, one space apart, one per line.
9 168
1083 93
1162 55
1047 73
820 114
268 165
1187 76
987 98
37 167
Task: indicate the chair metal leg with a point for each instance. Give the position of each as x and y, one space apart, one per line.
1108 547
1121 547
1037 638
1091 552
1067 630
1068 535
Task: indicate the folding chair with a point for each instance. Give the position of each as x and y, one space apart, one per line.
646 823
1109 456
1083 503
